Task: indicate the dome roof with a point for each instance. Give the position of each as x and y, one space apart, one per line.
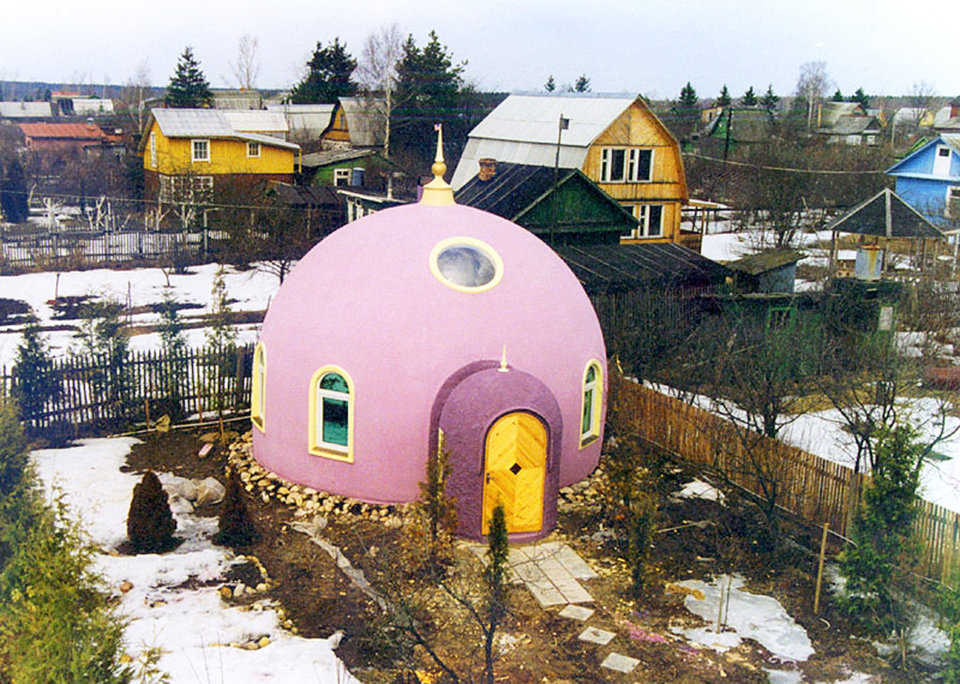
400 300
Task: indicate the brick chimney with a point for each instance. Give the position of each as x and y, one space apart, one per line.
488 169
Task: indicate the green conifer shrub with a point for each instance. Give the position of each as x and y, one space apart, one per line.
150 523
236 528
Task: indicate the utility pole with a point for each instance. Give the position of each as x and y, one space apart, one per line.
562 125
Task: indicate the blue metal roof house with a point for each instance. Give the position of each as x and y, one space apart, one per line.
929 180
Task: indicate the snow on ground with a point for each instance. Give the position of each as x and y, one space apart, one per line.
749 616
252 289
698 489
186 624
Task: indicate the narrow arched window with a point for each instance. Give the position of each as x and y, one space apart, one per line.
258 403
331 414
591 405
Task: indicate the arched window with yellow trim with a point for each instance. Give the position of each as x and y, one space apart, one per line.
331 414
258 403
591 404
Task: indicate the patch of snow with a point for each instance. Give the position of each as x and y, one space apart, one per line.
192 627
783 676
750 616
698 489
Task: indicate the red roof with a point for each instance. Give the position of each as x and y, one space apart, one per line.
74 131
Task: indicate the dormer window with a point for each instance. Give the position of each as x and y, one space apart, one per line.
626 165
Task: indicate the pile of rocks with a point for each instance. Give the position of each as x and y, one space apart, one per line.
306 501
586 494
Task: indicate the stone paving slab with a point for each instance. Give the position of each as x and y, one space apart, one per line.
596 636
576 613
620 663
545 593
550 571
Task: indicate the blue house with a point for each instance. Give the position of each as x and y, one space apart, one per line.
929 180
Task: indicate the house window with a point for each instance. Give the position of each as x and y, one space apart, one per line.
200 150
649 222
259 383
952 208
625 165
341 177
331 414
253 149
153 150
466 264
590 409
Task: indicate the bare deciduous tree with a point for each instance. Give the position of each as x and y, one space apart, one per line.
135 90
377 72
922 96
811 85
247 67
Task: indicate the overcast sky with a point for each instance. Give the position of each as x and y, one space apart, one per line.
646 46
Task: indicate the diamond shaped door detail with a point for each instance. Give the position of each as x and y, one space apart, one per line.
515 465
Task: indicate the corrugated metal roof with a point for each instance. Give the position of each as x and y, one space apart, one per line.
87 105
536 154
333 156
14 110
301 108
62 130
365 120
850 125
533 118
256 120
615 268
831 111
208 123
513 188
870 218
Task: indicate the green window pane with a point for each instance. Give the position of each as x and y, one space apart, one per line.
587 422
335 382
591 374
335 421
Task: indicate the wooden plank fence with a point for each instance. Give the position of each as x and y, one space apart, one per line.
95 394
82 249
812 488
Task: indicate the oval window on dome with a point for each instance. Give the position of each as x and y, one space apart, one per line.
466 264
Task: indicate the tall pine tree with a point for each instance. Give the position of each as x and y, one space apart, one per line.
724 99
188 87
749 98
769 100
329 76
687 111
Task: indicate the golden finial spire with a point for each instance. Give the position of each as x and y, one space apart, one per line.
437 193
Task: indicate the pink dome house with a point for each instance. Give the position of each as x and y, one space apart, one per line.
432 322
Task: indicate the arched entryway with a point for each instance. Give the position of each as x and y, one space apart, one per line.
515 468
503 431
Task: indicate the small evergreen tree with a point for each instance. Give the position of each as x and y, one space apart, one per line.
687 111
582 84
749 98
36 384
188 87
769 100
102 337
494 578
861 98
724 99
550 85
883 553
837 96
17 495
13 192
150 523
329 76
236 528
950 610
174 347
221 341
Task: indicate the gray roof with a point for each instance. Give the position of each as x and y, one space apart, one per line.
88 105
886 214
523 130
365 120
851 125
208 123
305 121
15 110
755 264
951 140
831 111
315 159
255 120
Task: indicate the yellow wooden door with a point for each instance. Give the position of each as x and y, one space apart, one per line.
515 467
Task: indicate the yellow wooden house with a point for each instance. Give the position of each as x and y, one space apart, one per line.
192 155
618 142
357 122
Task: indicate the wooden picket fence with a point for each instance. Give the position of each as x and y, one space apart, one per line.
811 488
94 394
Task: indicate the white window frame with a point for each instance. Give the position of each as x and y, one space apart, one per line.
953 195
642 231
153 149
631 165
341 177
595 387
253 149
317 446
258 403
193 149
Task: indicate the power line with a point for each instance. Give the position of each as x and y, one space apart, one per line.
831 172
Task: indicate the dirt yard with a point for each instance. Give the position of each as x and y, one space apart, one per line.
535 644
